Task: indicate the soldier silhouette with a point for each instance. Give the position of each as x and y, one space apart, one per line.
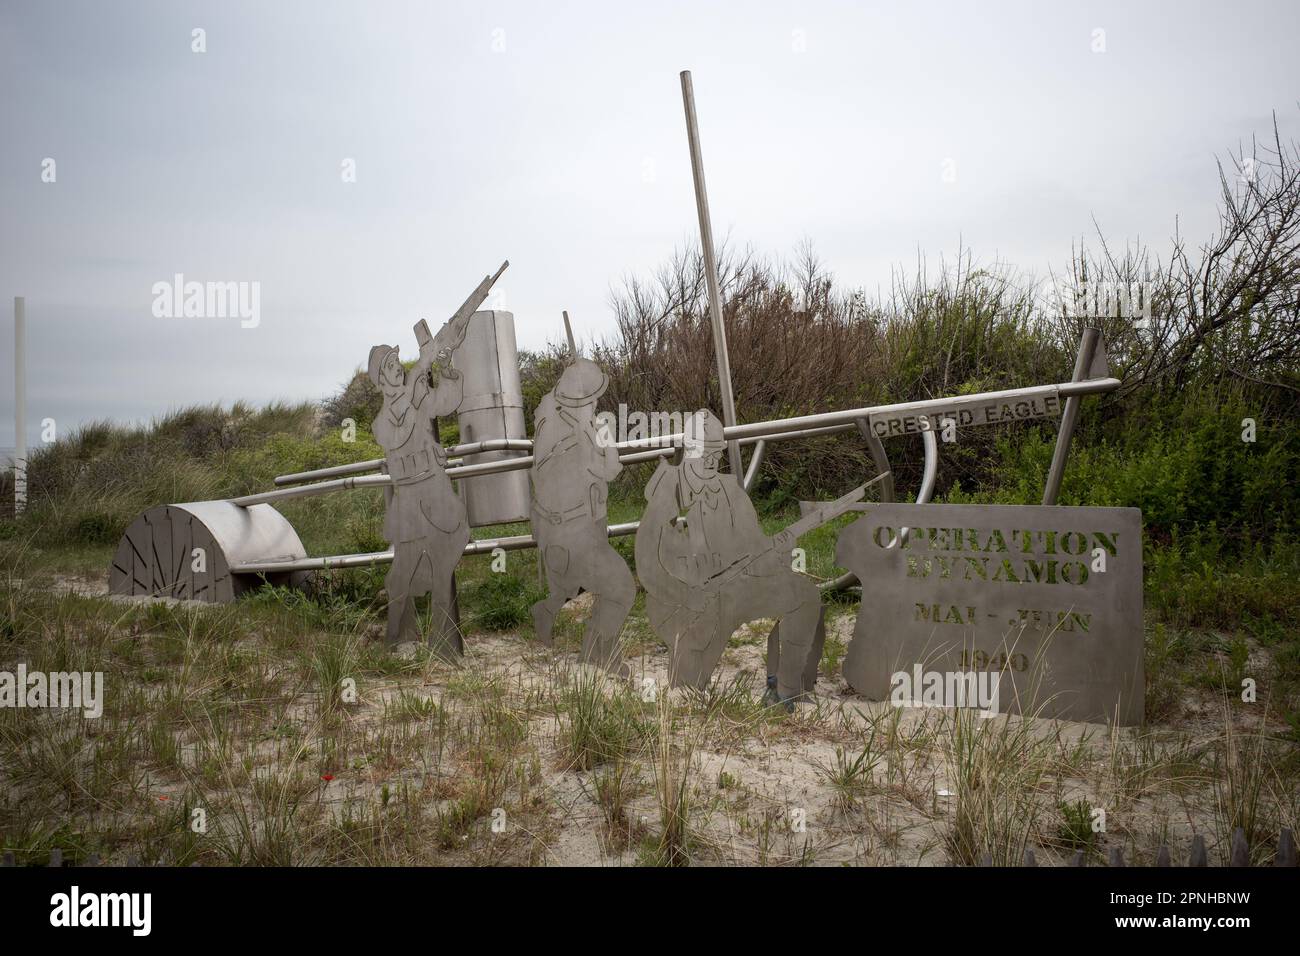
720 571
425 521
573 464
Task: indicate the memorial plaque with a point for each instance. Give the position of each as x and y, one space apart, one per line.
1049 597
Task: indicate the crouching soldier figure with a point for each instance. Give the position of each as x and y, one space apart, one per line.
720 571
573 464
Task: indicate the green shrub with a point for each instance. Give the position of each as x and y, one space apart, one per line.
500 602
1189 469
1200 580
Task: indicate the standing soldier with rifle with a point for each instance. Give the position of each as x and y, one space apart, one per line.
425 521
572 467
720 571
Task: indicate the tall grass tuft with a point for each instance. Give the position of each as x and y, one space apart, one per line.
995 766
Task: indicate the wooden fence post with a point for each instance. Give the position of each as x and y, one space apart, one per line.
1286 855
1239 854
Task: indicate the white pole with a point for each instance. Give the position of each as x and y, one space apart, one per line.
20 404
711 273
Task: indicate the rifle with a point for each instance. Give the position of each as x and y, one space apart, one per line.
791 533
686 617
452 333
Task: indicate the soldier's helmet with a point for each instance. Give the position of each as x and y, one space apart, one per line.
704 435
581 383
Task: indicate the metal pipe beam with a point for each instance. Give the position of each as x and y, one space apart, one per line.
1069 415
931 473
311 491
803 426
377 464
636 453
755 463
335 471
879 456
711 272
931 406
20 404
335 562
928 478
826 423
522 541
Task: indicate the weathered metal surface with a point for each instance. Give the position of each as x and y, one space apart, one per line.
755 463
936 408
378 464
808 679
881 458
425 521
517 542
492 408
928 477
711 270
964 412
718 570
571 471
780 429
1015 590
157 555
1083 365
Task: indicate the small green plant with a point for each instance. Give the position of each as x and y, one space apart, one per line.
1243 767
832 653
673 756
412 707
850 775
1074 831
334 660
501 602
601 721
996 766
616 786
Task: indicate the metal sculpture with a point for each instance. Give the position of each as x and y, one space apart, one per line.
251 564
188 551
491 418
717 570
425 521
704 561
1045 600
573 463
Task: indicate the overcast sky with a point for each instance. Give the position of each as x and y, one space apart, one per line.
552 134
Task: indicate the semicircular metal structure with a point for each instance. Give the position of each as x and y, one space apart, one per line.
186 551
